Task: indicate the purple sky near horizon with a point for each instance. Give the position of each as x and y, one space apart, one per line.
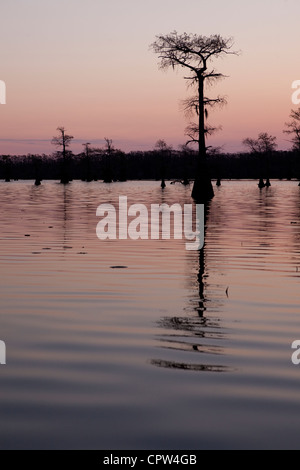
87 66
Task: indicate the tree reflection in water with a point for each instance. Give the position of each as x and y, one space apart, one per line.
195 333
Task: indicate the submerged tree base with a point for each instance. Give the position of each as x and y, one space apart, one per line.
202 189
268 183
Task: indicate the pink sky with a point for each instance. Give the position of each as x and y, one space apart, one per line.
87 66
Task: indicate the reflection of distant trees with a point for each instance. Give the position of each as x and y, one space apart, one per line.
295 227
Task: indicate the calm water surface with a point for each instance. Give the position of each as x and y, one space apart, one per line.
179 350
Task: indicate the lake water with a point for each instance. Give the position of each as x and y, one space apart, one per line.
179 350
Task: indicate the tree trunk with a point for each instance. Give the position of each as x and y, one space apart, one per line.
202 190
64 176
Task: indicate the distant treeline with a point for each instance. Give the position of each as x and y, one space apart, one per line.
177 165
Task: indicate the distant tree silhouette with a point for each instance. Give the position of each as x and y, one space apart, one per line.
194 52
163 151
7 168
293 129
109 150
186 153
214 152
63 141
36 160
122 160
87 157
180 165
263 147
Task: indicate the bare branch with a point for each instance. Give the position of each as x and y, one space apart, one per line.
191 51
192 131
63 139
190 106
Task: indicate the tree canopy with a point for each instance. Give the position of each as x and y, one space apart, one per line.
265 143
293 128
